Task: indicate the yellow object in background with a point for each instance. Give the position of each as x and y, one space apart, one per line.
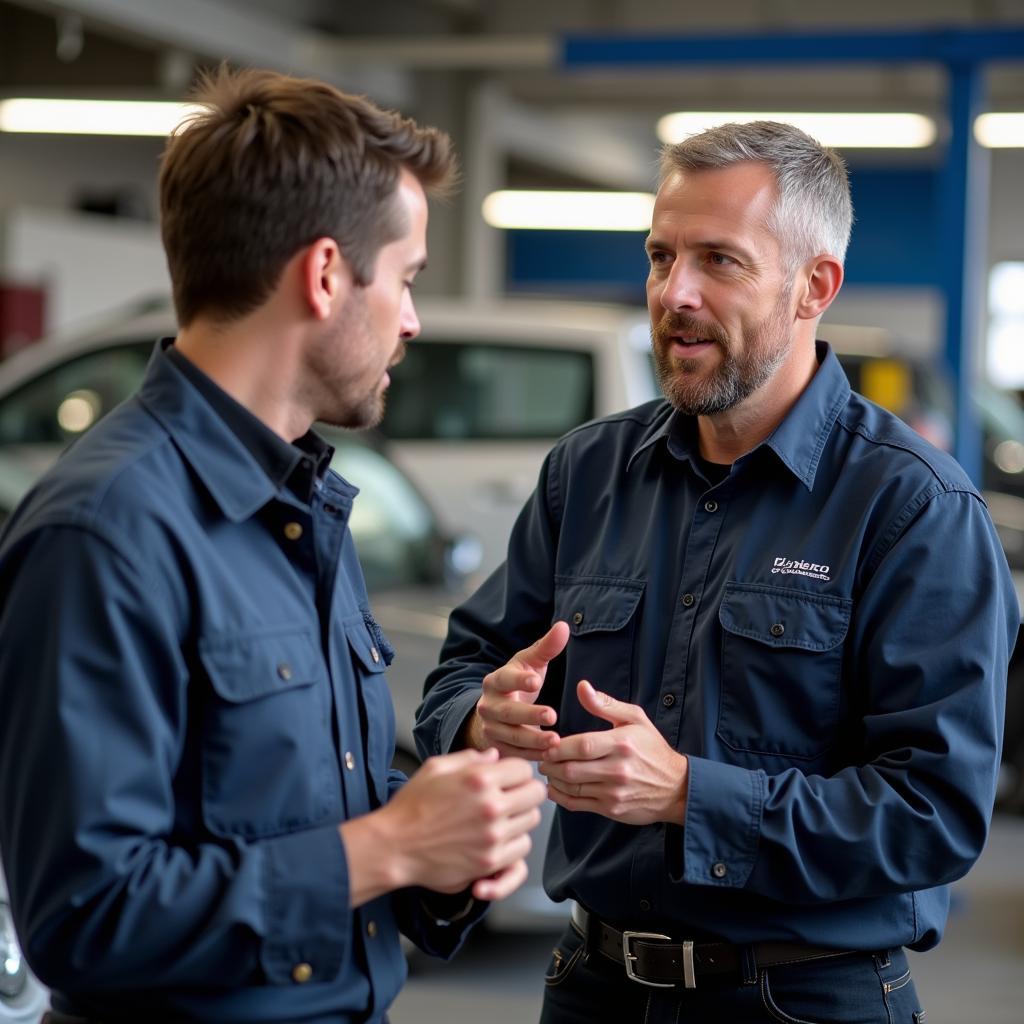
888 382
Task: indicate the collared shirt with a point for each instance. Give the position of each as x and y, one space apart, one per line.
193 698
824 632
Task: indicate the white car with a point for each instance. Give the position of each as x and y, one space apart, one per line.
487 389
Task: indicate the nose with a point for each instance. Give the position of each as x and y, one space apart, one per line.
680 289
409 324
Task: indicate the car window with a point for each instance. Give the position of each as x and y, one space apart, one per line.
462 391
391 524
68 398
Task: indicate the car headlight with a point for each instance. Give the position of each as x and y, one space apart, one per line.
13 972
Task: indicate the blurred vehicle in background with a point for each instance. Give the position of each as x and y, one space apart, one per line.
485 391
22 998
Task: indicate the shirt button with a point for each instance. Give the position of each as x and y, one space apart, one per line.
293 531
375 654
371 929
710 506
350 761
688 600
301 973
645 904
777 629
284 671
577 618
719 870
668 700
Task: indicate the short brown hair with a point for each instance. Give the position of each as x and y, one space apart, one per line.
271 164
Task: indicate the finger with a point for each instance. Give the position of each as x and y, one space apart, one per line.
524 822
516 712
585 746
602 705
574 803
513 678
509 773
548 647
527 736
502 883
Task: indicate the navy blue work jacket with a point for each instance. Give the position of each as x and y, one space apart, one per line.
825 633
192 698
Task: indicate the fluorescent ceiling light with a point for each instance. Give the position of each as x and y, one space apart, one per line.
569 211
844 131
92 117
999 131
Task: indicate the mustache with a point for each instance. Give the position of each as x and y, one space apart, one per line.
673 324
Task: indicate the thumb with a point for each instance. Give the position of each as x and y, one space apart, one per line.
548 647
601 705
442 764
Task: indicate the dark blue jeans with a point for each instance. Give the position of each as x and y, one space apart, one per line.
862 988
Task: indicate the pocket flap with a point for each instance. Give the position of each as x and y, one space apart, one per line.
778 617
246 666
373 652
596 603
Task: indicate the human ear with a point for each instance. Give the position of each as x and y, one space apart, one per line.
323 276
820 281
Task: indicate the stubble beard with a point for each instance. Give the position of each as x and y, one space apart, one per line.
695 392
341 404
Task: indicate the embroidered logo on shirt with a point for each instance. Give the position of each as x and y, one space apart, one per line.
791 566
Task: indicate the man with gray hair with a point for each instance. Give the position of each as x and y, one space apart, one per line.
774 630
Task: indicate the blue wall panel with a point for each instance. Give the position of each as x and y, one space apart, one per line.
894 243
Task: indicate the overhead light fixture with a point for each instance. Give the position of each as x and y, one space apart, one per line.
92 117
567 210
843 131
1000 131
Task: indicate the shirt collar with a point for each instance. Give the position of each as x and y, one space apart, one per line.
240 466
798 440
296 466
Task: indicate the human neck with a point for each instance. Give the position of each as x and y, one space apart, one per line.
252 359
726 436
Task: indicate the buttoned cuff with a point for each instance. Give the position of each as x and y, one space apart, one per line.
308 921
723 823
459 710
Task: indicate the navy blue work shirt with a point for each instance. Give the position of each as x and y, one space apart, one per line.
824 632
192 698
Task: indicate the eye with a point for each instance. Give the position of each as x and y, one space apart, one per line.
719 259
657 258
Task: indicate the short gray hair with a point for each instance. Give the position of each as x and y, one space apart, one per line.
813 213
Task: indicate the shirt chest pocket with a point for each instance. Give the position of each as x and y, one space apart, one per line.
782 656
267 756
601 612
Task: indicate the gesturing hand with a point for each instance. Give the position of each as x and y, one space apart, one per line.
506 716
627 773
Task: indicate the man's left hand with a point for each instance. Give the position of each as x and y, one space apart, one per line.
627 773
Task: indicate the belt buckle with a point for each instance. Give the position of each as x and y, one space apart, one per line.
629 959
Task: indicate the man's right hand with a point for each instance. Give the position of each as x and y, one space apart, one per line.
463 819
506 716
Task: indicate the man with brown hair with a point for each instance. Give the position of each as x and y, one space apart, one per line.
197 815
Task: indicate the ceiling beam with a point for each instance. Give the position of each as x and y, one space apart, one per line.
216 30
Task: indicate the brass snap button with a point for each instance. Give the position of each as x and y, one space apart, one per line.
777 629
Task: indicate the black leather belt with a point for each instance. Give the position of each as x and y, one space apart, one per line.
657 960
